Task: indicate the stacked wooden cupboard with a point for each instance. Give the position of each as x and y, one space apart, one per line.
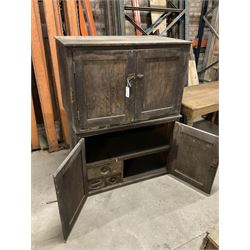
123 97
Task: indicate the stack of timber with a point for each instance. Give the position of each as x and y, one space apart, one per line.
192 71
52 18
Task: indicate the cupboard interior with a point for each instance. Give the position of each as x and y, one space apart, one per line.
139 165
109 145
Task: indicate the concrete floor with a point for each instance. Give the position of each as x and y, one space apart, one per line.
161 213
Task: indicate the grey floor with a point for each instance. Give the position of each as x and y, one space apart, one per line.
161 213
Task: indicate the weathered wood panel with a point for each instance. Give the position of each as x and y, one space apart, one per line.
159 90
71 187
100 87
194 156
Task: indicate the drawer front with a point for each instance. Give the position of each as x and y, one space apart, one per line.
96 184
111 180
99 183
111 168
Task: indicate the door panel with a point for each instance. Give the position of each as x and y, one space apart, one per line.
100 86
71 187
159 91
194 156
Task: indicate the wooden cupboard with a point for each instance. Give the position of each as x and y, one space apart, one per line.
123 98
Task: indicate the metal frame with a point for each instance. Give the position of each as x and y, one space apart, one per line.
208 61
114 17
204 21
166 12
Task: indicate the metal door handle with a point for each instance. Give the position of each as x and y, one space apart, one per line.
139 76
130 79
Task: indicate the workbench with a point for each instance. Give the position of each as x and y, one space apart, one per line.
200 100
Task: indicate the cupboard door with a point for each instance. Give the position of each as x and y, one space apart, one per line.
161 75
194 156
100 82
71 187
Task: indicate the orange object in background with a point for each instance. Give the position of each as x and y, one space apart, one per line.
42 79
136 16
90 17
203 43
83 27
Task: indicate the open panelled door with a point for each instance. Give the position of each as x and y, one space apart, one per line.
71 187
194 156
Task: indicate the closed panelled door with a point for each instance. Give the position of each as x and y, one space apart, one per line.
100 78
159 85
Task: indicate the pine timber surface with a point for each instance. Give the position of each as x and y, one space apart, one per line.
200 100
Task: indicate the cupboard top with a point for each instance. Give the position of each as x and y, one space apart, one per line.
74 41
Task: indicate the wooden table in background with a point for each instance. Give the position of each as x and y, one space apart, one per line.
200 100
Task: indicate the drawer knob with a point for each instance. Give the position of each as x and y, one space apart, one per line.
105 170
96 184
112 179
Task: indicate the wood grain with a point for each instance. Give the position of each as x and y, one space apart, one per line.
201 96
90 17
200 100
100 87
72 18
42 80
159 92
55 29
194 156
83 27
71 187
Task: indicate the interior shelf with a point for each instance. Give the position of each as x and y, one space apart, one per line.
147 163
131 142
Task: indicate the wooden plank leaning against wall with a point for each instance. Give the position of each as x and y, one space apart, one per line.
41 73
44 60
54 28
72 18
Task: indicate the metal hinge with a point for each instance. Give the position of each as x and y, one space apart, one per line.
78 115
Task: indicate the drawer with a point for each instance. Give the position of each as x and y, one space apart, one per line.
96 184
107 169
111 180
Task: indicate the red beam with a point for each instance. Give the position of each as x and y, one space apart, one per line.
137 16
